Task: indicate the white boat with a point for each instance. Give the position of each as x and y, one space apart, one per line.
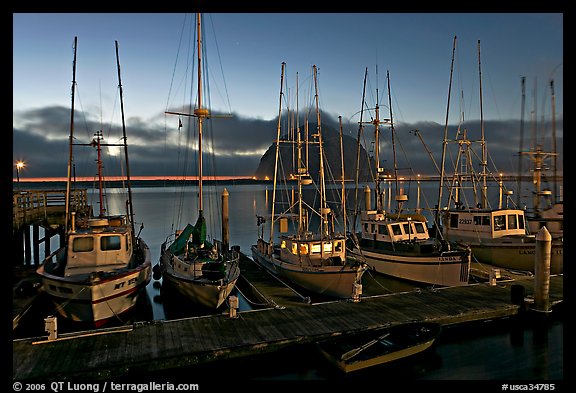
312 259
498 235
203 271
103 267
398 244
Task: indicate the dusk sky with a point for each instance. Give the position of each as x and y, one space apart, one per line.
248 49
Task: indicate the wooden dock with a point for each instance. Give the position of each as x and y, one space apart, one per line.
286 320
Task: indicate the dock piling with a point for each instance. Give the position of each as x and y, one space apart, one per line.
542 270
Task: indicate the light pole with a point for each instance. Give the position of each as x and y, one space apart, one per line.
19 166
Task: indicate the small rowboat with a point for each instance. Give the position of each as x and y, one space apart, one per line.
367 349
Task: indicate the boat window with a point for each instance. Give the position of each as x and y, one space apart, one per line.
485 220
304 248
108 243
382 229
372 228
366 227
83 244
477 220
396 230
512 221
338 246
499 223
419 227
328 247
295 249
453 220
521 221
283 244
316 248
407 228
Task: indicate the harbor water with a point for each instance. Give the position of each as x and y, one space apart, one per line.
519 348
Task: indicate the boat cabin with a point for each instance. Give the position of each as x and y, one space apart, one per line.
315 250
104 245
485 223
377 226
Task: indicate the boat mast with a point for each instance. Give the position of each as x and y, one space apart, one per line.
523 83
343 174
125 139
71 140
323 206
445 140
482 139
358 149
393 143
99 166
200 113
271 242
554 141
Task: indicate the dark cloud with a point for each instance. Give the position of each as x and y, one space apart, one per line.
40 137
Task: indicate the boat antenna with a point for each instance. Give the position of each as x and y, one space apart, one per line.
125 139
445 140
71 139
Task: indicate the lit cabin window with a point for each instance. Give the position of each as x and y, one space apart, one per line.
295 248
338 246
109 243
419 227
512 221
396 230
499 223
316 248
328 247
304 248
283 244
83 244
382 229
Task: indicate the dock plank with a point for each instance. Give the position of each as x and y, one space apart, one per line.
164 345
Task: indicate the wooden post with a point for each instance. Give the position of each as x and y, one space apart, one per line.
367 197
27 246
225 228
36 243
542 270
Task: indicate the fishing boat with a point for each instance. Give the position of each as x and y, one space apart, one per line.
398 243
203 270
547 207
358 351
312 259
498 235
103 267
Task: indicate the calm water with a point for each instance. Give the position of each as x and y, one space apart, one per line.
496 350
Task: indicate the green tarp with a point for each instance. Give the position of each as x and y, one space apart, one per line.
198 233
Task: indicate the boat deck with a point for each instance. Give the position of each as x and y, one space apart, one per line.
153 346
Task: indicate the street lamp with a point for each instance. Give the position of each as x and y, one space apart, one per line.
19 166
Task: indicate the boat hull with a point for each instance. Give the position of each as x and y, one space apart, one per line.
334 281
203 292
97 298
516 255
373 348
450 269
